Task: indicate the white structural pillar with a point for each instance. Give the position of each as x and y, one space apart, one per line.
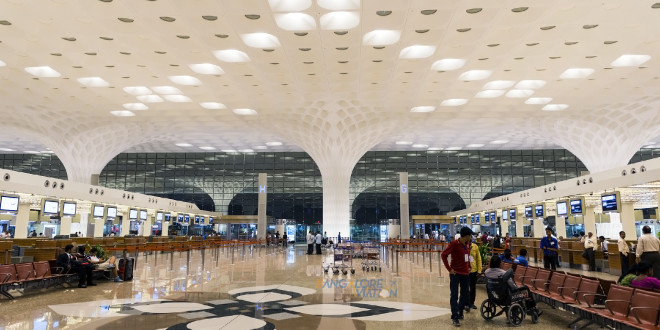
539 228
261 206
146 231
336 197
504 225
560 226
98 225
65 226
404 205
520 221
22 219
165 227
125 225
589 220
628 219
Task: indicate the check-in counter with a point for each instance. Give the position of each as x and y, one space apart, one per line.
5 251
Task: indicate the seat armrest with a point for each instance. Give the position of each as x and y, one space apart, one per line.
592 294
58 270
576 295
634 311
607 303
7 277
545 284
561 290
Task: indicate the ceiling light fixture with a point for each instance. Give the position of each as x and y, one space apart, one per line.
206 68
453 102
166 90
207 148
417 51
93 82
6 149
43 72
434 149
184 145
381 37
246 150
538 100
185 80
555 107
530 84
518 93
260 40
454 148
135 106
137 90
295 22
575 73
499 84
150 98
499 142
419 145
423 108
475 75
339 4
448 64
475 145
403 143
273 144
231 56
177 98
630 60
260 148
245 112
212 105
490 93
122 113
289 5
3 63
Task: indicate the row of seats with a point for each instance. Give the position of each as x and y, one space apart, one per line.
40 274
621 307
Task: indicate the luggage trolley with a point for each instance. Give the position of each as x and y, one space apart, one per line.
343 259
371 259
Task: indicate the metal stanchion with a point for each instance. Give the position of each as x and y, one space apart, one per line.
439 265
397 262
203 255
430 263
424 258
232 255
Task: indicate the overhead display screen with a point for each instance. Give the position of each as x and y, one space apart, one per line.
493 216
539 211
512 214
576 206
562 209
132 214
51 207
505 215
68 208
98 211
528 212
112 212
610 203
9 203
143 214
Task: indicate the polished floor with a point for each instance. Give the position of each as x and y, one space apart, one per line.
261 289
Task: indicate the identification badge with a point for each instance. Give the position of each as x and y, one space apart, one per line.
467 258
471 259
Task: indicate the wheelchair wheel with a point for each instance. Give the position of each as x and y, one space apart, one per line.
516 315
487 309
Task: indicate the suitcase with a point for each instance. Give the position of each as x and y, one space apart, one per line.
126 268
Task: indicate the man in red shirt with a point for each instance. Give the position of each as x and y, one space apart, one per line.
459 273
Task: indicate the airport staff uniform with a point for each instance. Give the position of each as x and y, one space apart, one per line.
648 250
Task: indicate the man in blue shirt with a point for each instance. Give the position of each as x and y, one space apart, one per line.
550 247
521 258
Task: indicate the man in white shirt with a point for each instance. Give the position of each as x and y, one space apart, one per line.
457 236
317 240
648 250
624 250
589 246
310 243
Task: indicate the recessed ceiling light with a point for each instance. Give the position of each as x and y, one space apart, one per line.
42 72
135 106
538 100
517 93
212 105
463 30
166 90
210 17
423 108
150 98
434 148
575 73
260 147
245 112
475 145
589 26
499 141
339 4
453 102
168 19
454 148
122 113
340 20
177 98
260 40
206 68
207 148
419 145
417 51
381 37
3 63
490 93
499 84
289 5
231 55
530 84
93 82
185 80
429 11
519 9
475 75
246 150
295 22
273 144
32 152
547 27
555 107
228 150
655 5
403 143
6 149
630 60
448 64
137 90
185 145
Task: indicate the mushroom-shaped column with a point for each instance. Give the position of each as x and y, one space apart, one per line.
336 134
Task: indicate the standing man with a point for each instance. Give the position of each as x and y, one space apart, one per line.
317 240
648 250
550 247
624 250
476 266
459 273
589 246
310 243
285 239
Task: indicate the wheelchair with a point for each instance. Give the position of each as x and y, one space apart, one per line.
515 303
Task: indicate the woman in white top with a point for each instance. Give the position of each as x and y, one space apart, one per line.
110 264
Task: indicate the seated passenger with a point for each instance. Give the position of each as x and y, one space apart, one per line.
110 264
494 272
632 274
69 262
645 279
507 256
521 258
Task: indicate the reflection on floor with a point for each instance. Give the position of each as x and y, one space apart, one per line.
263 289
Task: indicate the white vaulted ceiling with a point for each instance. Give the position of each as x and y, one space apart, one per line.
334 78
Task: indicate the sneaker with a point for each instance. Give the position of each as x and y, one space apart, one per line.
455 323
539 312
467 309
118 279
474 306
460 317
82 285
